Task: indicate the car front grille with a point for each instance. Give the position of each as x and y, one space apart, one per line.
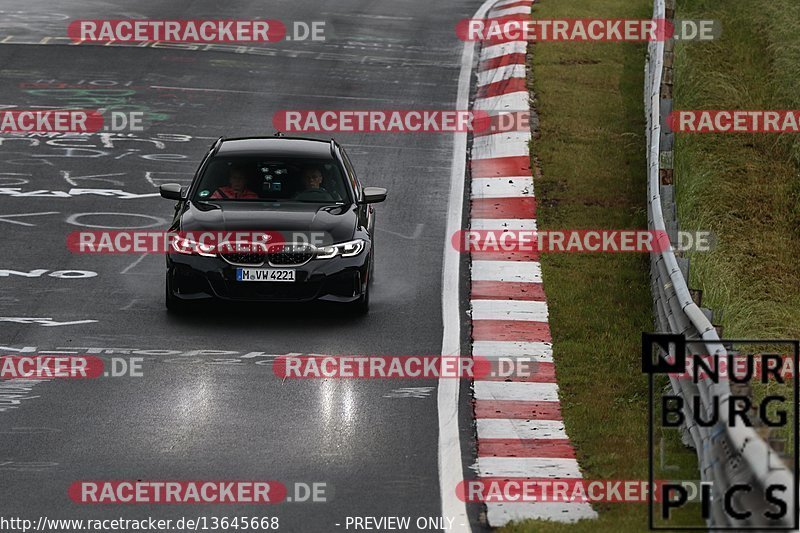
290 254
283 255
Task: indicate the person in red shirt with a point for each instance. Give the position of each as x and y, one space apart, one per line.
237 188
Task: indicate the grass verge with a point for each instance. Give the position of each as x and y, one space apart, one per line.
745 188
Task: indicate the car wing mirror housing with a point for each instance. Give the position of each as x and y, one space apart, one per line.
374 195
172 191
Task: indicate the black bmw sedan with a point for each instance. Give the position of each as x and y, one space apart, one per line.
306 192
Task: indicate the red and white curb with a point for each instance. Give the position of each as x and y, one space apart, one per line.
520 431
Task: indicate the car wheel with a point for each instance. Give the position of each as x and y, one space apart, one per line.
173 304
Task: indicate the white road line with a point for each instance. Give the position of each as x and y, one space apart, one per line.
516 101
503 224
540 351
499 514
546 467
451 471
510 187
501 73
519 271
509 310
503 49
516 391
503 428
4 218
417 232
132 265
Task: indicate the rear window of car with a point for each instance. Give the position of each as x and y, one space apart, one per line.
272 179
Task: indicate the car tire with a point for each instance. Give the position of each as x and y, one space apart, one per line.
174 304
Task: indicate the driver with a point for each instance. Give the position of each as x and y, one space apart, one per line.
237 187
312 179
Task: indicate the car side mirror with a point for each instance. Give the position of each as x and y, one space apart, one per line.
172 191
373 195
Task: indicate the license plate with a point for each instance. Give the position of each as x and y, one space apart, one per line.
262 274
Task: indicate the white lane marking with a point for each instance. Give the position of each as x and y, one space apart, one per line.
519 10
451 471
17 192
506 144
41 321
519 271
539 351
417 232
503 49
546 467
500 514
503 224
509 310
516 101
410 392
14 391
4 218
132 265
507 187
501 73
504 428
516 391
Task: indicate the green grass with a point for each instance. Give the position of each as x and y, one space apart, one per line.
592 158
744 188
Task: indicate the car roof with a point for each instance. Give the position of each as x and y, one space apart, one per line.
277 146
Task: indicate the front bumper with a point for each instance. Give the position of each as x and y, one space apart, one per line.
341 279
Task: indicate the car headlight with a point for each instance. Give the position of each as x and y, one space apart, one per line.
186 246
345 249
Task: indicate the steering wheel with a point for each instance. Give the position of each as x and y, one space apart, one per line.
314 195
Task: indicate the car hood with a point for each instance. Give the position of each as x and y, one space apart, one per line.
336 222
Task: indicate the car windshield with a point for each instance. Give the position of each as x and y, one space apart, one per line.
271 179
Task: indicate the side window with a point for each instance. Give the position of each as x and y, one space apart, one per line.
351 174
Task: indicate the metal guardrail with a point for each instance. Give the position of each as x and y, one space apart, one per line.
726 455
